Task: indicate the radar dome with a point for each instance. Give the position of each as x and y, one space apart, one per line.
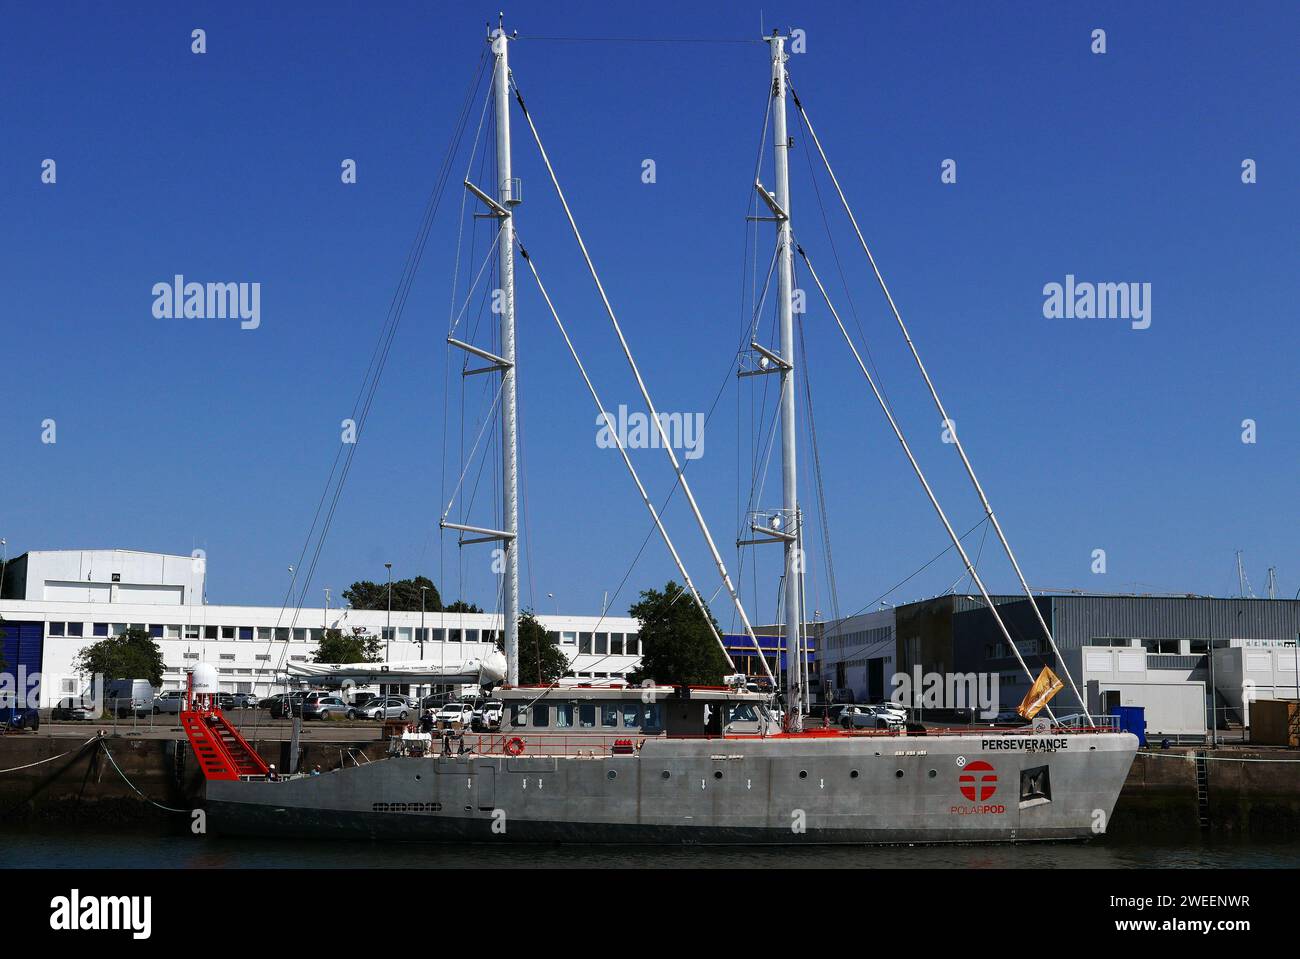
205 678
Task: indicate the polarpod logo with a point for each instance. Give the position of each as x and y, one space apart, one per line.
76 913
987 783
978 782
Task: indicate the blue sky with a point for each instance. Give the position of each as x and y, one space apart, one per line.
176 435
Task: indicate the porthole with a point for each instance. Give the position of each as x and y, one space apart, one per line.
933 773
853 774
803 774
665 774
899 774
417 777
612 774
717 774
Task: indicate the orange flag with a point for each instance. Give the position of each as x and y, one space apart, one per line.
1047 685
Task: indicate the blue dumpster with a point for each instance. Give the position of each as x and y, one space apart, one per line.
1133 719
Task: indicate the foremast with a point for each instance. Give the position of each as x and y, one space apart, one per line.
509 415
790 534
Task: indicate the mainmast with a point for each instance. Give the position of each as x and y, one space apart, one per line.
509 423
794 678
501 202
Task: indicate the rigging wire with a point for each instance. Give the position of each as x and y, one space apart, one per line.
636 372
627 460
934 394
920 474
374 370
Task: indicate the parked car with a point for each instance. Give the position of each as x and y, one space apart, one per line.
455 713
487 715
18 717
128 697
869 717
360 699
389 707
243 701
892 709
286 705
73 709
172 701
323 706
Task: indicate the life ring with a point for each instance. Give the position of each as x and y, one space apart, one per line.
514 746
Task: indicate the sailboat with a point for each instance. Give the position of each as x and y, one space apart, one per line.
677 764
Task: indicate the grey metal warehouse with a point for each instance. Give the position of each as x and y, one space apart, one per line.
1152 651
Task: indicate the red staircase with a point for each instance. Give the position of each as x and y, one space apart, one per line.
221 751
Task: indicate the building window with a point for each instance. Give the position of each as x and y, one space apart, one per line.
156 631
584 643
56 629
245 632
75 629
189 656
228 632
602 644
471 635
404 634
385 632
229 657
300 634
262 657
633 644
568 639
171 632
453 635
317 635
265 633
439 635
616 644
209 632
282 634
100 629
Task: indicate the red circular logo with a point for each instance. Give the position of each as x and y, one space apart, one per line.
978 781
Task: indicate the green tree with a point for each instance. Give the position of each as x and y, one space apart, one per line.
406 595
676 644
540 658
460 606
131 655
337 646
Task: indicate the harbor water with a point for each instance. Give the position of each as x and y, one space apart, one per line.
63 849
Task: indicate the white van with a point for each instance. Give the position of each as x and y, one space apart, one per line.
128 697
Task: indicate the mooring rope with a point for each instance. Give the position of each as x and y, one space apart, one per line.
51 759
132 785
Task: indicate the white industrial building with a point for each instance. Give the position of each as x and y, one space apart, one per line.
54 603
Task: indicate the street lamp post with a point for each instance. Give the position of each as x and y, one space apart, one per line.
423 589
388 621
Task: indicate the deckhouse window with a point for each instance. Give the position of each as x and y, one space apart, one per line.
564 716
541 716
631 716
587 716
609 715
